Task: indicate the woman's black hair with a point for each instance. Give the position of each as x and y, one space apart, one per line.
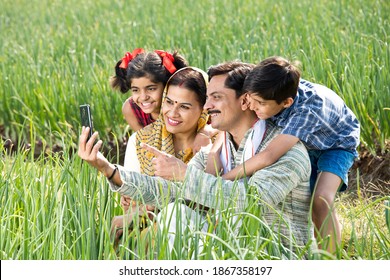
192 80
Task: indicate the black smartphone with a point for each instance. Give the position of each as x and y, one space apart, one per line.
86 118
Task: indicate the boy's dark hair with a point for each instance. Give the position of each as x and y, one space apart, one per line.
274 78
148 64
193 80
236 71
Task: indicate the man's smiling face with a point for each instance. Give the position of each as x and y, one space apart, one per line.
222 104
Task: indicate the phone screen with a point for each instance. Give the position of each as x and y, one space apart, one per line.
86 118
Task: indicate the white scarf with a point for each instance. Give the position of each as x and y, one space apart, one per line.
251 145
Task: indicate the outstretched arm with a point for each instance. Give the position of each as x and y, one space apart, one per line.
148 190
275 150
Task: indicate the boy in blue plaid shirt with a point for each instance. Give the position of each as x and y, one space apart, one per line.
318 117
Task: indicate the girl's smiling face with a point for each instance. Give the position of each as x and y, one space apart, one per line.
147 95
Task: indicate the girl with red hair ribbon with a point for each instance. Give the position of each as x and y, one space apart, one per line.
145 75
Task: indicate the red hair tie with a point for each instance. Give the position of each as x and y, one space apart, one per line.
129 57
167 60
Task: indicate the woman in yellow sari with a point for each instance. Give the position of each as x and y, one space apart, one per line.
180 120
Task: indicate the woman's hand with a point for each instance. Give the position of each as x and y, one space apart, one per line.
204 137
125 202
214 164
166 166
201 140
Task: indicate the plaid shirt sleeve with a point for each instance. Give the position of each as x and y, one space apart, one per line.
321 119
302 124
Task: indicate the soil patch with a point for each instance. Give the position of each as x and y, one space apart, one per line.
371 173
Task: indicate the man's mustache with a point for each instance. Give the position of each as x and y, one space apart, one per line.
213 112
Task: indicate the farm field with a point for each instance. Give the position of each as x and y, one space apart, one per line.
56 55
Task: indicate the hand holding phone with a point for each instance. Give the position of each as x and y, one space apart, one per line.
86 118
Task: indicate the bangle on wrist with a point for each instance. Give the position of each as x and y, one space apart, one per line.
113 173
